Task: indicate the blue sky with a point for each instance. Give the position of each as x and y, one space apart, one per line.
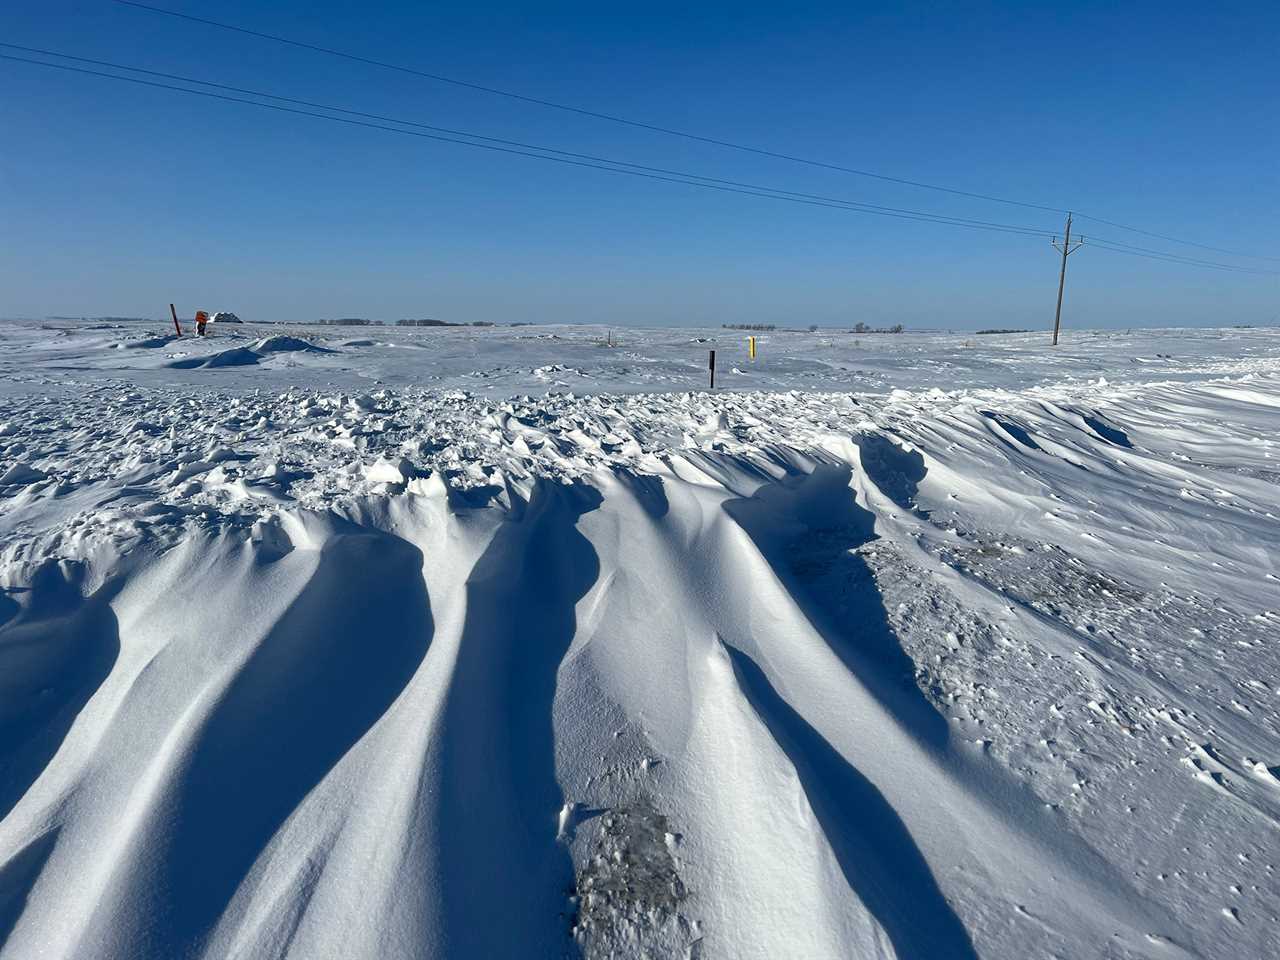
117 199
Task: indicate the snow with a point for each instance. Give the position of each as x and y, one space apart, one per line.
506 642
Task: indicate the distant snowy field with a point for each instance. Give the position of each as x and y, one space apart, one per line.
506 642
503 361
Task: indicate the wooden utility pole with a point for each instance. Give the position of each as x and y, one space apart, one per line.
174 313
712 365
1067 249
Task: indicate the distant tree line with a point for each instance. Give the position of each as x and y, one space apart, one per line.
981 332
425 322
813 327
106 319
363 322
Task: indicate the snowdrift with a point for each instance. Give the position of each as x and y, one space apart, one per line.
251 355
234 357
744 676
287 344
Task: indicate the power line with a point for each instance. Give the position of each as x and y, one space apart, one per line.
669 131
589 161
1174 258
854 204
1190 243
558 156
581 111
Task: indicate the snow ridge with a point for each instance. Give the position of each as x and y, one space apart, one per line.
926 674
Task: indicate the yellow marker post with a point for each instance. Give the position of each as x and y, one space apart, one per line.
751 347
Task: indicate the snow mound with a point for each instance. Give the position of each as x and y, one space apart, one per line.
235 357
21 473
286 344
733 676
150 343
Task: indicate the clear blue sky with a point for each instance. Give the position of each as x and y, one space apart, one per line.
116 199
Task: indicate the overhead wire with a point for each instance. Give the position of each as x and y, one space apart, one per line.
669 131
1190 243
533 151
854 204
1123 246
547 153
1181 261
581 111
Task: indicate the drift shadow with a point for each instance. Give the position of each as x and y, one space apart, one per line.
897 472
330 667
498 794
17 878
54 654
9 607
647 489
1106 432
808 529
880 861
1019 433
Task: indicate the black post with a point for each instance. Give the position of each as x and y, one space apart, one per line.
713 369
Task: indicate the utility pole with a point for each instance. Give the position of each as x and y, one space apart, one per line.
1067 249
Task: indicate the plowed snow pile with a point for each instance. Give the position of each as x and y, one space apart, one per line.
418 673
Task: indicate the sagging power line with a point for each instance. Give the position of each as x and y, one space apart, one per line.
536 152
669 131
590 161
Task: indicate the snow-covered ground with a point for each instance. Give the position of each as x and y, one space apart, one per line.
502 361
505 642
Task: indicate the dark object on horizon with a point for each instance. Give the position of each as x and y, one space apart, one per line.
748 326
863 328
427 322
106 319
995 330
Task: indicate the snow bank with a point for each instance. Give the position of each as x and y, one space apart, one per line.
148 343
234 357
286 344
245 356
754 675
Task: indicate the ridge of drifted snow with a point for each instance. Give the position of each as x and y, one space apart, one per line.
420 673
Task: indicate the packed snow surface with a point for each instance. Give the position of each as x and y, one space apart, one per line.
512 643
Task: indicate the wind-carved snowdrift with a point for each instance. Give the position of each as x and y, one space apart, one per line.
682 676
